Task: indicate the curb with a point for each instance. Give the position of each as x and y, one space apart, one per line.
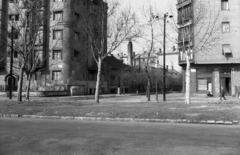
220 122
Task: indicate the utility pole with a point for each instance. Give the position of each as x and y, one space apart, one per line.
156 77
139 69
164 50
11 66
164 55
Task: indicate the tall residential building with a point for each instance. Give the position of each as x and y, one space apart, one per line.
3 30
214 26
65 58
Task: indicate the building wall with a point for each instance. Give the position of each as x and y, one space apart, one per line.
215 77
3 31
214 54
74 69
235 78
213 68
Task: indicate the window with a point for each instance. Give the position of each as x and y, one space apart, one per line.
58 15
76 36
14 34
58 0
204 84
56 75
57 34
15 54
75 54
35 76
225 27
57 54
76 17
225 5
14 17
96 33
226 49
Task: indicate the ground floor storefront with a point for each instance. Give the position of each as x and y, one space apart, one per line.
210 78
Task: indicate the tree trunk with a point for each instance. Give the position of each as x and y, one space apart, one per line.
148 89
138 87
20 84
98 80
28 86
188 77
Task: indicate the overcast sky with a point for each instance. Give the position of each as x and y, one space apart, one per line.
161 7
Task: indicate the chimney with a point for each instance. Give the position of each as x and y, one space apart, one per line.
130 51
160 50
134 59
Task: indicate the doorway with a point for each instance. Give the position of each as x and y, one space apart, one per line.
14 83
226 84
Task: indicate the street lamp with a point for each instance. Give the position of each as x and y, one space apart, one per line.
156 76
164 52
11 65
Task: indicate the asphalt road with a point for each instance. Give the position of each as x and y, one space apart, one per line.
21 136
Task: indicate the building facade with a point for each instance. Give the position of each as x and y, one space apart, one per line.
65 56
213 41
3 30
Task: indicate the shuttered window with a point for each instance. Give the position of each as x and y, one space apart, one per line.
202 84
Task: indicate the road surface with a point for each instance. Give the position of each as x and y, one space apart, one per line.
20 136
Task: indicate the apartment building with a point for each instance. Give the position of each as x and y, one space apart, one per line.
3 29
214 28
65 58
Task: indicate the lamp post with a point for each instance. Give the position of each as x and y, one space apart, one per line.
11 65
164 54
156 77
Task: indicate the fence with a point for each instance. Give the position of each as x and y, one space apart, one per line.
5 88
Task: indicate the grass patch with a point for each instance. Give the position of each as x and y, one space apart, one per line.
149 110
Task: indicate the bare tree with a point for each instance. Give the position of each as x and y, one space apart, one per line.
26 24
150 27
107 29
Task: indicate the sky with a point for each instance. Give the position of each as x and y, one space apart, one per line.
161 7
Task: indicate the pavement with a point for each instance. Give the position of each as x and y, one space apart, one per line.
21 136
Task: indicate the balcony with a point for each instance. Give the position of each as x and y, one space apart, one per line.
40 64
182 3
184 20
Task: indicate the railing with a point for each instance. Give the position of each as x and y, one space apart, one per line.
5 88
